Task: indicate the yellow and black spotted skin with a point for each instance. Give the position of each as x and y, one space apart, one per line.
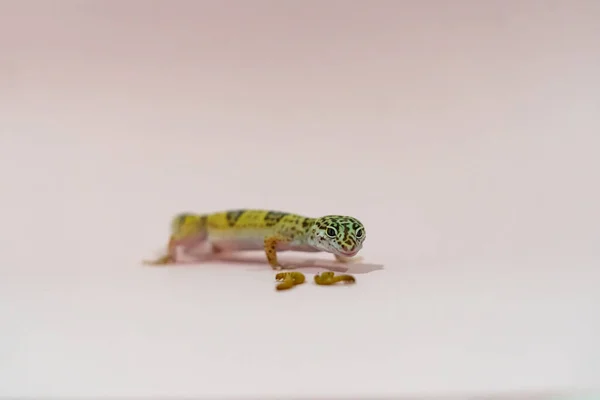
268 230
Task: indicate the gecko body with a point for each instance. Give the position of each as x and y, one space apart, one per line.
266 230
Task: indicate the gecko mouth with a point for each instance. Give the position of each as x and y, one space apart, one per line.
349 253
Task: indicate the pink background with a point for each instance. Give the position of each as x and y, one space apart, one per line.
464 134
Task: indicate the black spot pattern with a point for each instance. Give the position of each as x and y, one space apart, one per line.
233 216
273 217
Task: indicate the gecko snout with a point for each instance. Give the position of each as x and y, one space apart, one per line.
350 247
349 250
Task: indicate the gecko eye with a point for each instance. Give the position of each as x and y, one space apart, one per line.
359 233
331 232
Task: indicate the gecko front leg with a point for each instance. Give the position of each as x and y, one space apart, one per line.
270 244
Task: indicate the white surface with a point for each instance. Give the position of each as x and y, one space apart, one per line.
463 134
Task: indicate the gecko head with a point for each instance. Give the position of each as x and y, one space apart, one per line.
337 234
